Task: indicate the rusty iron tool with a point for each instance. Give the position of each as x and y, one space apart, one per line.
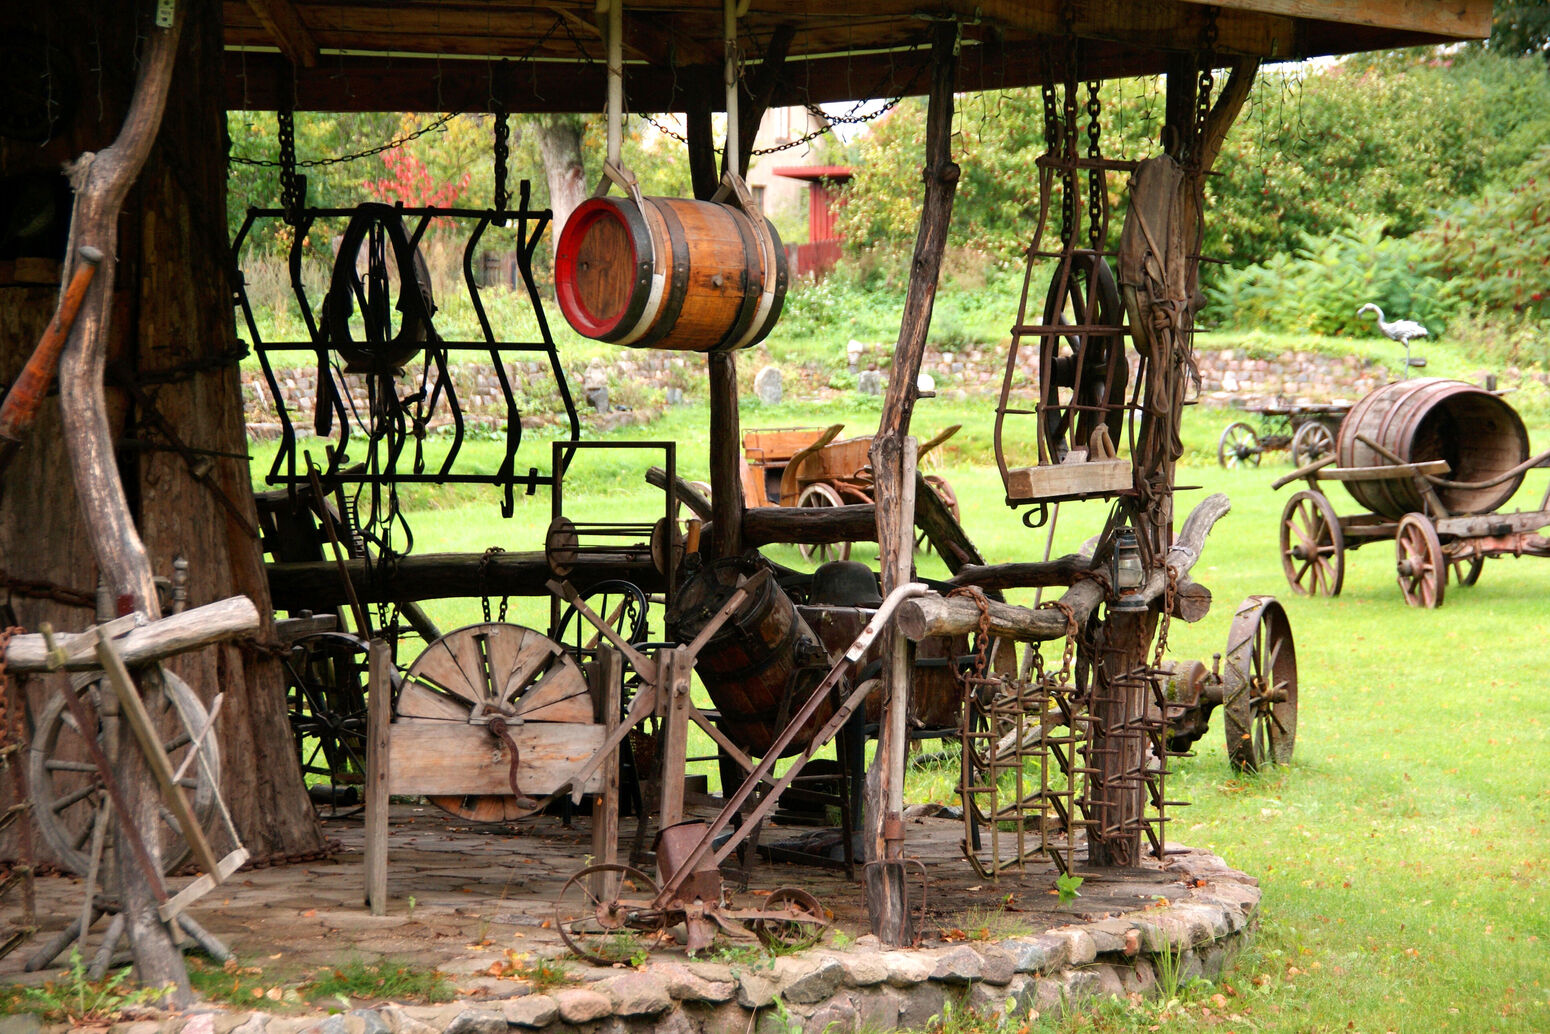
26 394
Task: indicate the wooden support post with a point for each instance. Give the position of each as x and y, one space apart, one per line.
102 181
894 469
607 678
726 482
675 672
379 702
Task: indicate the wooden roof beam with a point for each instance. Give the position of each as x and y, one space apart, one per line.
1165 26
1458 19
283 23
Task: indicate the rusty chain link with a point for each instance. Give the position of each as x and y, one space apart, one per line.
1095 184
1208 35
41 589
6 719
1170 590
500 152
292 187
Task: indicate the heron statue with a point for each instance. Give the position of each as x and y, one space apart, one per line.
1400 330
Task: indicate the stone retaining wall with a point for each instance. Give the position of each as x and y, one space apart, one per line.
644 378
821 991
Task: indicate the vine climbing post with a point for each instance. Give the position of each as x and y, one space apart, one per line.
893 469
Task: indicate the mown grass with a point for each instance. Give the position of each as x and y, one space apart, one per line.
1402 855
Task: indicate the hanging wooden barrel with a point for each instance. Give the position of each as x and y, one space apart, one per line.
701 280
1480 436
763 655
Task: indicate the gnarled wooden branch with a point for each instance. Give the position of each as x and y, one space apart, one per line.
940 615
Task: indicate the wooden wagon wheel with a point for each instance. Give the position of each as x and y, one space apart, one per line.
819 494
68 793
620 603
1312 545
1259 686
949 499
1423 573
493 668
1466 571
325 675
1313 441
1238 445
1082 376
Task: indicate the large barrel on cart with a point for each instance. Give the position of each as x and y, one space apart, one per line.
1479 436
1432 461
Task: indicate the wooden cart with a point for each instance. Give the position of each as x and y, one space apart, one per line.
1430 461
806 466
1307 430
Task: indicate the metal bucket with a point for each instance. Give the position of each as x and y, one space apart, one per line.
1480 436
764 656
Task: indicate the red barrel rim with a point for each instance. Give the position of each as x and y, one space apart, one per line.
586 214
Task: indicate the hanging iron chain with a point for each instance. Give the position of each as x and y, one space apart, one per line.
1171 586
484 576
314 163
1208 36
46 590
6 729
1095 181
290 190
501 151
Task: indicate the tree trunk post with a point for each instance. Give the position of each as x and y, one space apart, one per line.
101 183
894 470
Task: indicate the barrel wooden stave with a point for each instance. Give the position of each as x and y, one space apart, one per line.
1477 433
711 266
751 665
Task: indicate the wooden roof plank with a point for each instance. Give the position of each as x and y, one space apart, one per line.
285 26
1457 19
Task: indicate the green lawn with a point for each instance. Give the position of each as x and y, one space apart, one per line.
1402 855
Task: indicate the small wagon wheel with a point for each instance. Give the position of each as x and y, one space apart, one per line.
1466 571
1238 445
325 695
1423 573
67 792
605 914
1082 375
1312 545
819 494
803 925
620 603
1259 686
949 499
1313 441
494 667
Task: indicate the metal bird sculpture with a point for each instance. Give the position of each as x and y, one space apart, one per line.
1400 330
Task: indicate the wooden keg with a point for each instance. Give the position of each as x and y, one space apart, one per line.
1479 435
695 276
765 656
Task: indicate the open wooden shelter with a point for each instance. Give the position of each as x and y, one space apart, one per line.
131 98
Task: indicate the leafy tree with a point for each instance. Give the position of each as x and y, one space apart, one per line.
1494 251
1521 27
1389 136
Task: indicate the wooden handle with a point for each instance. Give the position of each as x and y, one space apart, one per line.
22 401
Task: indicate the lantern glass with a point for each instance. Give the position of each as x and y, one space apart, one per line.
1128 572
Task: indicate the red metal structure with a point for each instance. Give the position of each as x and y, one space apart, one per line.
822 252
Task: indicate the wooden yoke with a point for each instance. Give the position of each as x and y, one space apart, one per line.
896 490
